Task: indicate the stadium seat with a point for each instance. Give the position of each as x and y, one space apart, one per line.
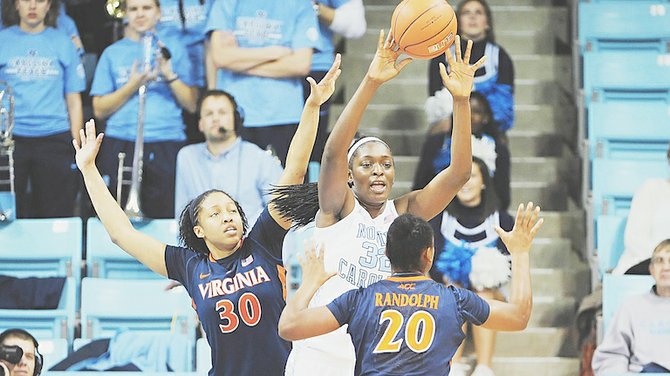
313 172
609 240
294 244
626 76
647 25
615 181
105 260
41 248
114 373
110 305
46 323
629 129
53 350
203 356
618 288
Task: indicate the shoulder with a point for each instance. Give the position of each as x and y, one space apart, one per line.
190 150
654 184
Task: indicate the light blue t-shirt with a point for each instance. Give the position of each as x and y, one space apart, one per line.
244 171
262 23
191 33
325 56
162 114
41 68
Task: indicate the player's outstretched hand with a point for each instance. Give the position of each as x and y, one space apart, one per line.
385 64
87 146
526 226
461 75
313 271
321 92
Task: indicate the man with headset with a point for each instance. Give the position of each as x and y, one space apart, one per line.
224 161
31 361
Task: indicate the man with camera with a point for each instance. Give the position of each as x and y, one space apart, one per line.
18 354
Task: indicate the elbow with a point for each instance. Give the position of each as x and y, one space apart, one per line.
97 111
303 68
287 330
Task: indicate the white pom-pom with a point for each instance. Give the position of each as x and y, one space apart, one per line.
440 106
490 269
485 149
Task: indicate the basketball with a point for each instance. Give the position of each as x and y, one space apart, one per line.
423 28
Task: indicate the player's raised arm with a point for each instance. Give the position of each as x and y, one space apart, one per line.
436 195
297 321
144 248
514 315
333 189
302 143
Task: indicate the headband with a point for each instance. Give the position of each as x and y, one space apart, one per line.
360 142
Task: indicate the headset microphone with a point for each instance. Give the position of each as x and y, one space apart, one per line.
223 130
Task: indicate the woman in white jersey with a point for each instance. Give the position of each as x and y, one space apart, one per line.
354 209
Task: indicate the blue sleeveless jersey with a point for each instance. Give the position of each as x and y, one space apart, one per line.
239 300
407 325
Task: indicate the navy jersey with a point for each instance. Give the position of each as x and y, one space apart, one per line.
239 300
407 325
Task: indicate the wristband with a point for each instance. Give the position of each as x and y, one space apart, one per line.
171 80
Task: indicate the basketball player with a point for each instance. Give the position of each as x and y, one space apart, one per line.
354 210
409 324
236 282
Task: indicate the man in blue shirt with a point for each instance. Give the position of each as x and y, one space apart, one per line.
408 324
224 161
264 49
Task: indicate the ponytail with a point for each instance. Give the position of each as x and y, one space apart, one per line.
297 203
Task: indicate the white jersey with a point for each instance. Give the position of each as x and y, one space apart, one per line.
355 250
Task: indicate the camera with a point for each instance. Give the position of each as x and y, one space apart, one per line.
9 354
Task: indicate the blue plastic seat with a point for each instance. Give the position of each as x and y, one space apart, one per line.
629 129
110 305
609 240
41 248
105 260
623 25
626 76
615 182
618 288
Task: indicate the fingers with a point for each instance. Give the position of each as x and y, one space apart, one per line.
527 215
457 42
380 42
450 57
388 43
90 131
75 144
479 63
468 49
519 212
501 233
335 67
403 63
536 228
443 73
312 83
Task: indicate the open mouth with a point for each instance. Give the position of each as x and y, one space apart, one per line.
378 187
230 230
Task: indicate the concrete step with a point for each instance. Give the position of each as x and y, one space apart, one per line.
535 169
535 366
542 67
551 312
536 342
534 144
550 196
554 253
551 282
537 118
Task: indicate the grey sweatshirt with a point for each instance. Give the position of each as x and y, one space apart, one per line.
638 335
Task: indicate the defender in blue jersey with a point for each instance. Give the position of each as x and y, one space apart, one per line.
236 282
408 324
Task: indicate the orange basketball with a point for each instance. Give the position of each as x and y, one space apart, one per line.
423 28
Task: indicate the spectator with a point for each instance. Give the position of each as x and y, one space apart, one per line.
42 66
264 48
637 337
648 222
31 361
224 161
486 145
344 17
495 79
470 254
169 88
185 20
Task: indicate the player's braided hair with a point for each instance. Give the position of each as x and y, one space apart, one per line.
189 218
297 203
